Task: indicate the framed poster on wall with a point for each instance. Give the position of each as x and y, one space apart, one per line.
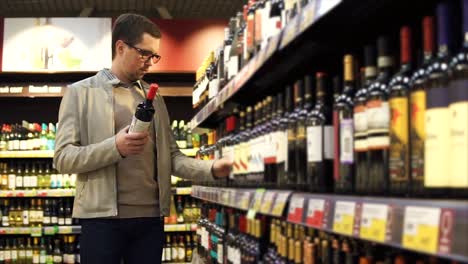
56 44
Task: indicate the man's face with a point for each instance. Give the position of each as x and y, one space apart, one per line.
132 64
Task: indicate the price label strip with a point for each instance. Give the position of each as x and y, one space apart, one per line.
308 15
268 199
296 209
315 212
421 228
343 220
374 222
256 203
280 203
245 200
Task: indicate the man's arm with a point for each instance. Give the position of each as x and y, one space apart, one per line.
183 166
70 156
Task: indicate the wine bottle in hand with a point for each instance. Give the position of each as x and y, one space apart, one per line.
144 112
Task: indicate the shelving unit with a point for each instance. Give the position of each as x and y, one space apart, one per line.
39 231
23 154
38 193
180 228
306 45
436 227
50 153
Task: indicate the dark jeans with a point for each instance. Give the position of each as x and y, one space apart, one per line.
108 241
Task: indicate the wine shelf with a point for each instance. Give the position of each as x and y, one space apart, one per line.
436 227
180 228
50 153
38 193
39 231
189 152
27 154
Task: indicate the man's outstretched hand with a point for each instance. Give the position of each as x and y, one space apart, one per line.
222 168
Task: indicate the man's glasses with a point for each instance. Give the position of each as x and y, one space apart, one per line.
145 55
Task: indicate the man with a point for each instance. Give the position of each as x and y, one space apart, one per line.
123 186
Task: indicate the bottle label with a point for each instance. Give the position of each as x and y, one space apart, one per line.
360 128
138 126
399 139
14 254
258 26
5 181
314 144
233 66
54 219
33 181
437 151
220 253
61 221
46 220
227 51
181 253
270 148
417 134
26 182
174 253
7 255
42 259
252 158
11 181
458 108
58 259
68 221
328 144
244 158
291 138
168 253
25 218
23 145
378 118
346 141
19 182
336 139
282 139
21 254
250 31
2 255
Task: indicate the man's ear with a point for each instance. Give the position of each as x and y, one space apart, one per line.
119 46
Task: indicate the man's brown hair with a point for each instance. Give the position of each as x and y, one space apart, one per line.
130 28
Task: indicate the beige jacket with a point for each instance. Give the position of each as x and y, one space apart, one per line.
85 144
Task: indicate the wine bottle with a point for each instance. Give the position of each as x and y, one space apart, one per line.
436 149
343 124
458 107
399 116
418 108
361 150
144 113
319 140
378 113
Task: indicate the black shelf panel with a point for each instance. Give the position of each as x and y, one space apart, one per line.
345 28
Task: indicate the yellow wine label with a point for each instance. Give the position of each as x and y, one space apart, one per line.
399 139
458 144
436 158
417 133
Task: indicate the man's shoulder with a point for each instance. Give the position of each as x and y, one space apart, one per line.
95 81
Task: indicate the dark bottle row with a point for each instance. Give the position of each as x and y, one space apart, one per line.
229 236
381 130
26 212
44 250
179 248
27 136
33 174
